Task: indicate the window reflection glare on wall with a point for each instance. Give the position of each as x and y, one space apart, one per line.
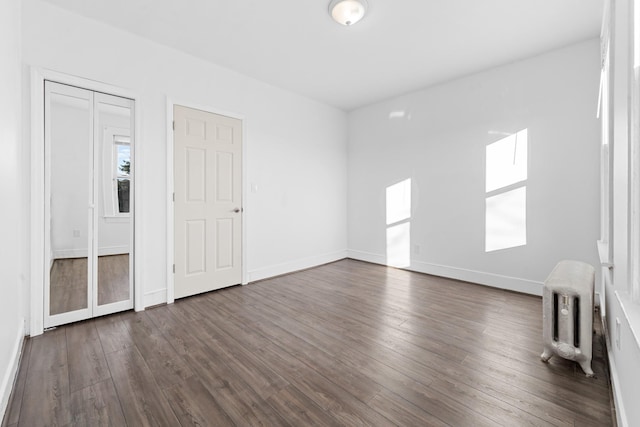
506 194
398 206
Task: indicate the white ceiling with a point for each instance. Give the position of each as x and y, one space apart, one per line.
400 45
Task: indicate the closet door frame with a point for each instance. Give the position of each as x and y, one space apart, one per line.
37 187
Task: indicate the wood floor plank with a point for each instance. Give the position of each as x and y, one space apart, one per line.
504 389
142 401
46 394
299 409
238 399
315 354
397 337
12 415
195 406
167 366
424 396
113 333
401 412
501 412
263 379
338 402
329 395
96 405
579 400
184 339
348 343
87 365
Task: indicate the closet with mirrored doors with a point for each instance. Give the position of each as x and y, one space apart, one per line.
89 172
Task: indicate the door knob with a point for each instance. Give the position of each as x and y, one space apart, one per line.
236 210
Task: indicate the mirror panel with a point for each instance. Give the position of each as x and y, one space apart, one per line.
114 190
70 153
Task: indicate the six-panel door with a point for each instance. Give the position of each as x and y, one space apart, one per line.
207 206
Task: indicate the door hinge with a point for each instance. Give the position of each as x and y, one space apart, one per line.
174 197
174 269
174 125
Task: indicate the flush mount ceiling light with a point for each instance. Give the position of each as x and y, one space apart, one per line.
347 12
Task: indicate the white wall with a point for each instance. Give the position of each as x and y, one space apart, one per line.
11 280
440 144
295 147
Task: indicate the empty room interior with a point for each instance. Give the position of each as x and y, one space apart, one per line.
320 213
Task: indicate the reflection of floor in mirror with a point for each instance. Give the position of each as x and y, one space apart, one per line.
69 282
68 285
113 278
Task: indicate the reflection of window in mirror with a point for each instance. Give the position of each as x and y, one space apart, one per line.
121 173
116 175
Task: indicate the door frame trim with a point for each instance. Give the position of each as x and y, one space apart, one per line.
171 102
37 216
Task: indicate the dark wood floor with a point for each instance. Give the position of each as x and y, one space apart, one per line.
348 343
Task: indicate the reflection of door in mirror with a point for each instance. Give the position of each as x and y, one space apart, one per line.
88 141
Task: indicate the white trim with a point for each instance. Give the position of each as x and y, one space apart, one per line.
156 297
82 253
110 308
36 323
138 208
299 264
9 376
621 416
631 311
38 76
480 277
171 102
170 216
603 253
634 162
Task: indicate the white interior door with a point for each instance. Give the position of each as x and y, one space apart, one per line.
88 204
207 201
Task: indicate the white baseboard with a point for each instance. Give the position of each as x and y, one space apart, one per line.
480 277
68 253
9 376
156 297
300 264
82 253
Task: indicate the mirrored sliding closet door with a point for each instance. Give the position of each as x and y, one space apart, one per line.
88 204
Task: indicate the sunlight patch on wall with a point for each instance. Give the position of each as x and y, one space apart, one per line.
399 245
506 222
398 206
507 161
506 193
